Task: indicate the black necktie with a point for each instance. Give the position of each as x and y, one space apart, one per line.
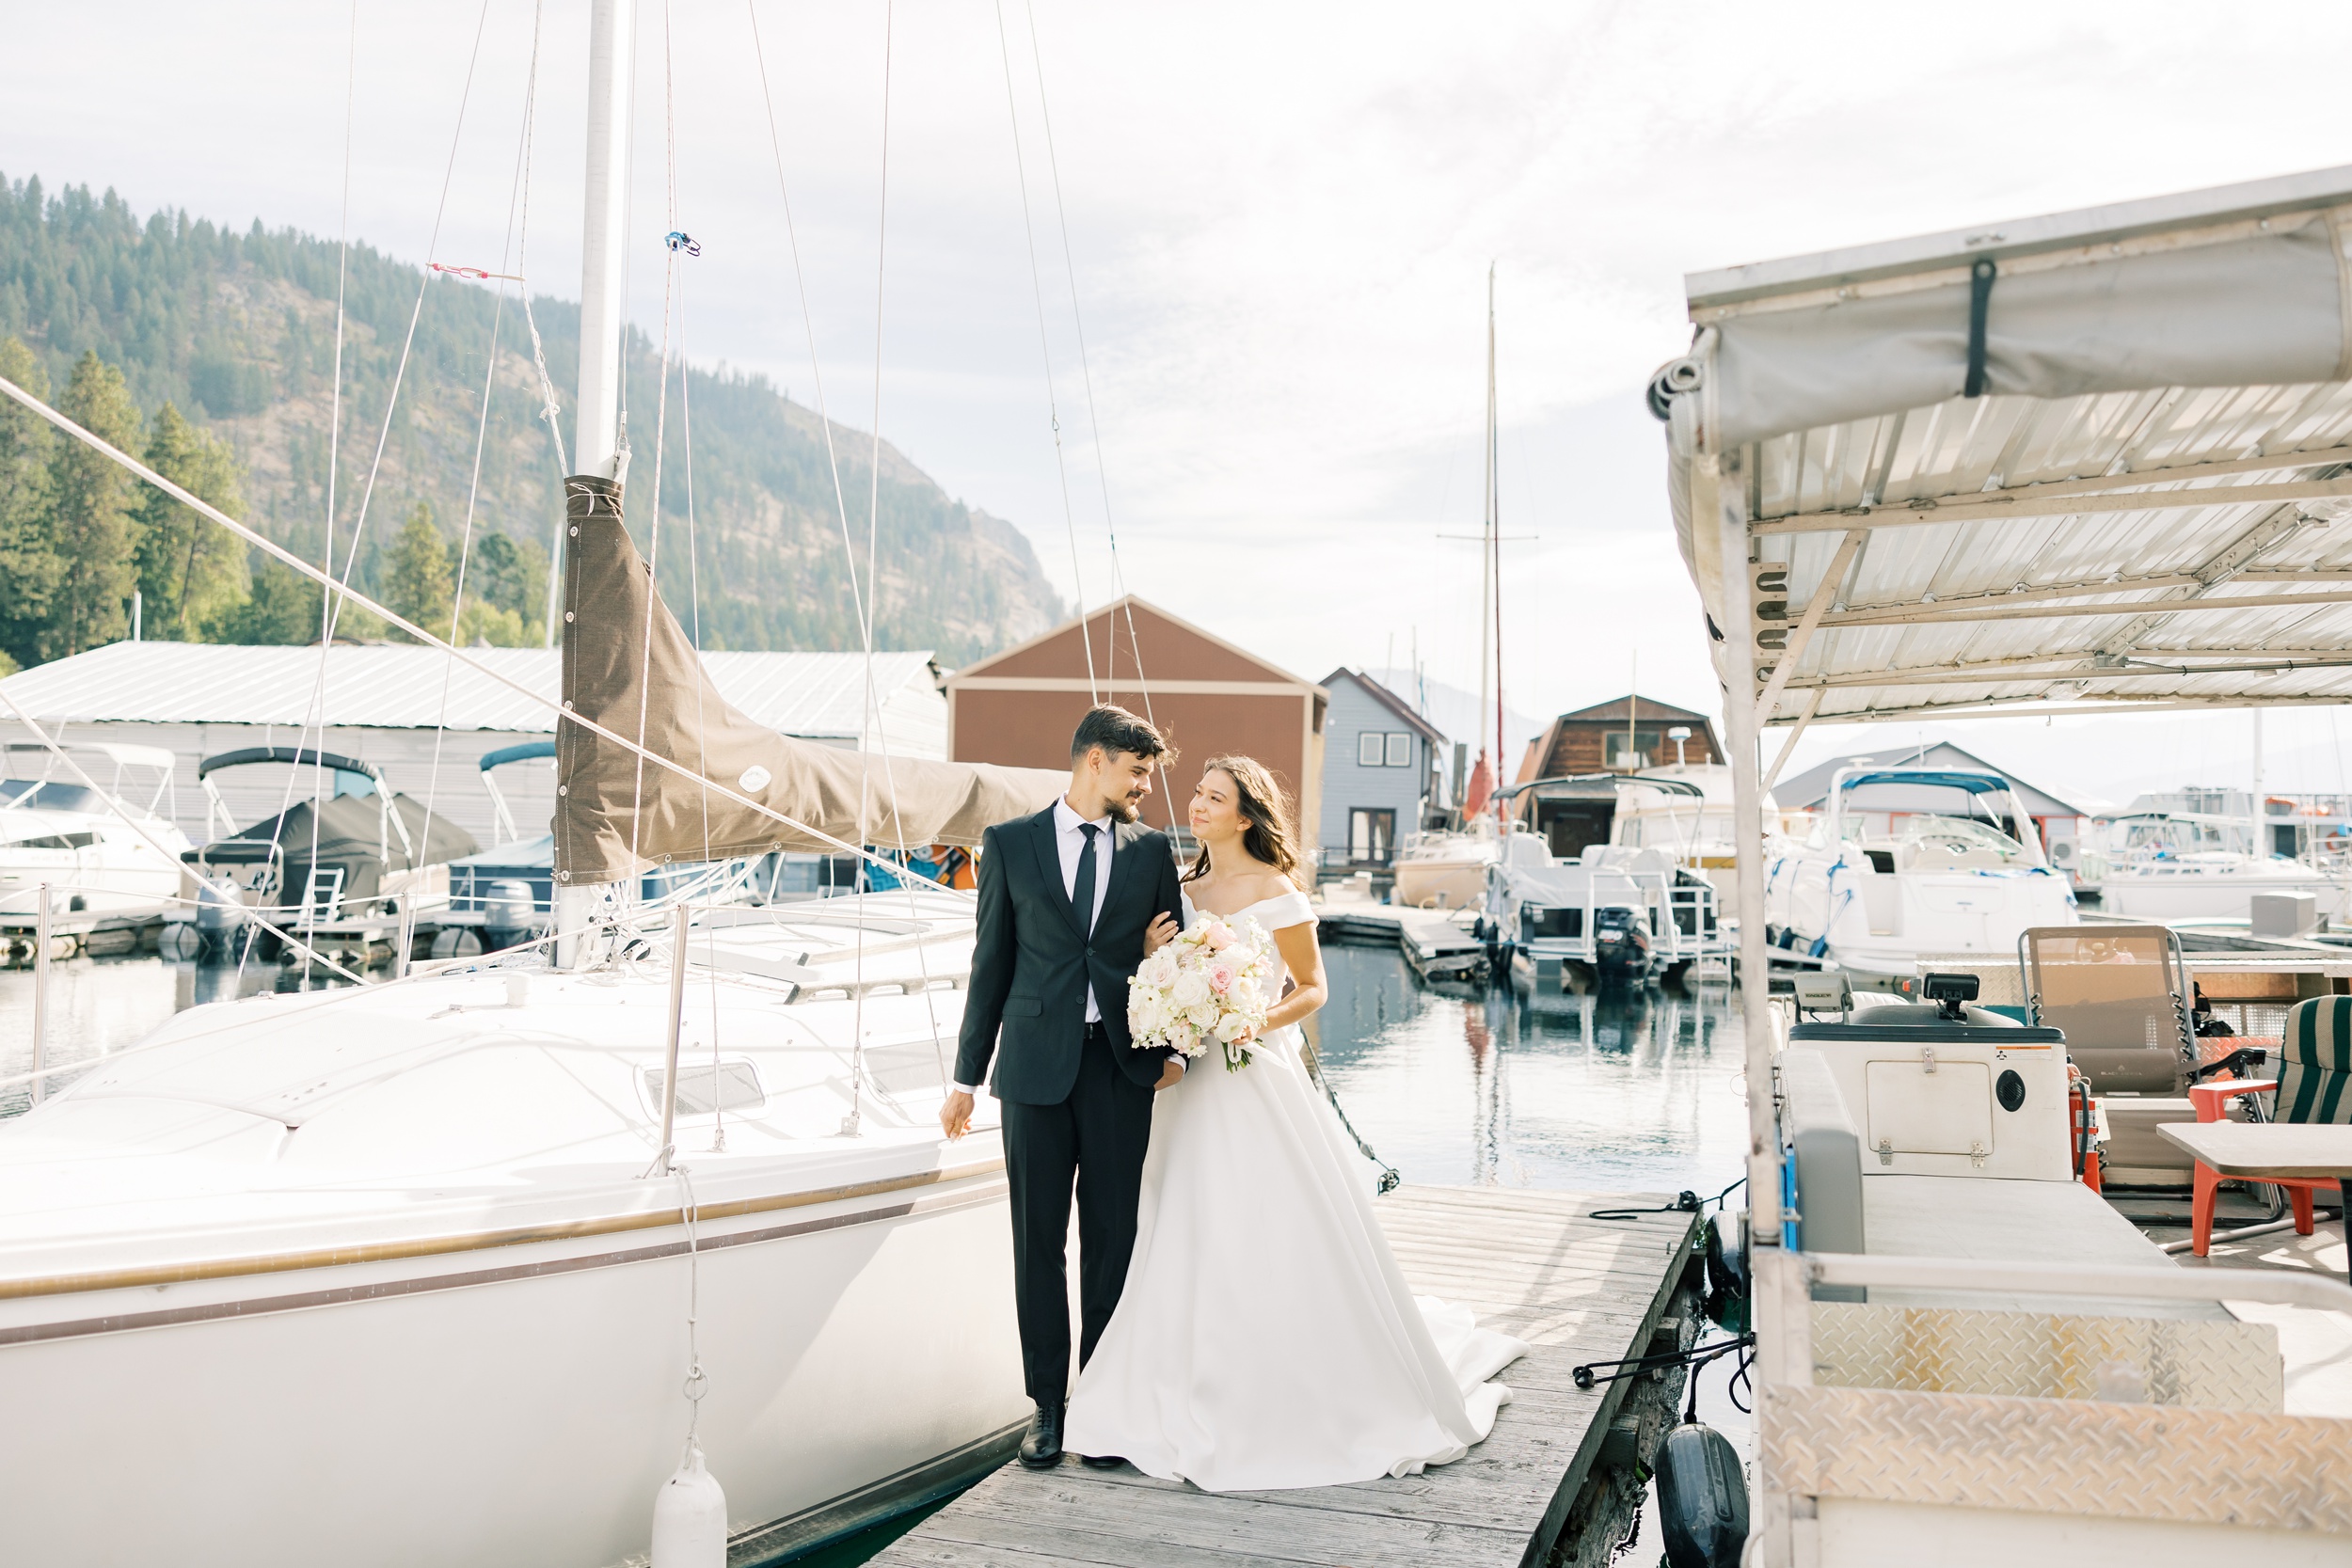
1082 890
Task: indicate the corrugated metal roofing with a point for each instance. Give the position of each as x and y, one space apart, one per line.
818 696
2007 553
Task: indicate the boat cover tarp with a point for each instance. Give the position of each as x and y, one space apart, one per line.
2265 311
350 832
628 667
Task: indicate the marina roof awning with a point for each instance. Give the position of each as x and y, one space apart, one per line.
2146 503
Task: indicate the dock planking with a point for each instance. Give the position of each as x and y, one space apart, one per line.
1532 1263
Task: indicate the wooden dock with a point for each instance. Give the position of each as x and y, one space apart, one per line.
1437 943
1556 1483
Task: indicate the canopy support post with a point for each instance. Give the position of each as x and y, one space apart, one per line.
1812 707
1736 661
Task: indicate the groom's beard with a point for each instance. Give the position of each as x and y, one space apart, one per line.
1125 811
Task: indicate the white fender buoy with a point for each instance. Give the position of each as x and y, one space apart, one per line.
689 1517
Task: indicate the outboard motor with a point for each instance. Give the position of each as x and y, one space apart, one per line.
1620 944
1701 1496
507 914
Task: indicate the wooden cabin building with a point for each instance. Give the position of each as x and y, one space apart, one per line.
1208 696
1607 738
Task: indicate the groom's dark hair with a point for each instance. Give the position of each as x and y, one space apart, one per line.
1116 730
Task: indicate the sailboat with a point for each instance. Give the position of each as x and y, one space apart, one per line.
1448 868
446 1269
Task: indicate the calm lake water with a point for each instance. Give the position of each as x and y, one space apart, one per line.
1627 1091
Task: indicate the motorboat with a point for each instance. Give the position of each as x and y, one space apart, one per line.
1608 913
2168 865
1971 474
100 849
350 843
1445 869
1910 861
1686 810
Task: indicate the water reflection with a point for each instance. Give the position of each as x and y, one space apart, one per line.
1620 1091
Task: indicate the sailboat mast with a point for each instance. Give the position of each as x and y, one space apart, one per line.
596 449
1487 526
604 250
1492 565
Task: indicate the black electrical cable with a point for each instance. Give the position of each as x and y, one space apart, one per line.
1686 1202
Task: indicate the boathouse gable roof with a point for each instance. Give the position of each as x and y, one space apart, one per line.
1388 700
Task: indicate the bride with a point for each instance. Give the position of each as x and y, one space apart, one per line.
1265 1337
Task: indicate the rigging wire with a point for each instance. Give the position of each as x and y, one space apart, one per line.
334 434
514 199
861 595
1094 423
1046 351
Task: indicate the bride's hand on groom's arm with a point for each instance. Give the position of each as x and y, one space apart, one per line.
1159 933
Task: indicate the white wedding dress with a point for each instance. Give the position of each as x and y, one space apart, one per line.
1265 1337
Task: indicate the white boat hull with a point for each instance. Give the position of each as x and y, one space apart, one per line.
2211 895
528 1417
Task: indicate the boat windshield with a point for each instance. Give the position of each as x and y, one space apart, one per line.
1956 843
50 795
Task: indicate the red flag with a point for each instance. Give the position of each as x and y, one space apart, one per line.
1482 784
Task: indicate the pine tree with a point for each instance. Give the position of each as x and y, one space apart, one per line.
417 573
191 569
91 510
283 608
29 567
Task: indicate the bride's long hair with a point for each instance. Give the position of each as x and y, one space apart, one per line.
1266 814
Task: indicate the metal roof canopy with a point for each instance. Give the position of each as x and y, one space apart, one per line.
2089 463
2141 510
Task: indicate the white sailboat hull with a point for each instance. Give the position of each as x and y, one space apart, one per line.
413 1417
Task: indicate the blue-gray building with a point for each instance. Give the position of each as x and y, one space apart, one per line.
1383 771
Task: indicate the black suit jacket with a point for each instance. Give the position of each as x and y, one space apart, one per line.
1032 958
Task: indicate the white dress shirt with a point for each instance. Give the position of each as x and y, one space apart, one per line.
1069 844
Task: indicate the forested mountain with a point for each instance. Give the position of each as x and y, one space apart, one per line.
235 333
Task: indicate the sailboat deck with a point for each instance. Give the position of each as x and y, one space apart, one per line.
1536 1264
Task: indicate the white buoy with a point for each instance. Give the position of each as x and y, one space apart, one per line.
689 1517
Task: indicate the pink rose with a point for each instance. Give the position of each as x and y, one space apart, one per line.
1220 937
1220 978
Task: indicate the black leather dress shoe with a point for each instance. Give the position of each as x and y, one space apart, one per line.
1041 1446
1102 1461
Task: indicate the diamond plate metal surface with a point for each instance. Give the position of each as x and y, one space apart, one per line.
1998 981
2217 1365
2057 1456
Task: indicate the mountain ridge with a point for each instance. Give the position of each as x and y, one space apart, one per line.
237 330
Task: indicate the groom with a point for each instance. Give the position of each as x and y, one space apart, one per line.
1065 898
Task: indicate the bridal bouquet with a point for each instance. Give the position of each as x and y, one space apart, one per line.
1207 985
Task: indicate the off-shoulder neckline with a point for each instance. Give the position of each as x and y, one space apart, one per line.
1246 909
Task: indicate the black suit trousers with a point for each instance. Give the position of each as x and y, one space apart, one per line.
1096 1138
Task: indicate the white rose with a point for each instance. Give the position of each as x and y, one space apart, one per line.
1190 989
1201 1014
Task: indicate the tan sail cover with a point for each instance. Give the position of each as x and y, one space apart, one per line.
617 815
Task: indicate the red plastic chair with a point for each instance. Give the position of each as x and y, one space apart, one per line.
2211 1101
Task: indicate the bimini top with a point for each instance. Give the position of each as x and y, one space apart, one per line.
2089 462
1975 783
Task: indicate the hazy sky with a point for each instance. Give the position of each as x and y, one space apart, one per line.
1281 219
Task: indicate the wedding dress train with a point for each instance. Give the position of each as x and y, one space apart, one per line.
1265 1337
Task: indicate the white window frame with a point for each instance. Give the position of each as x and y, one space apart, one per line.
1371 748
1400 749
